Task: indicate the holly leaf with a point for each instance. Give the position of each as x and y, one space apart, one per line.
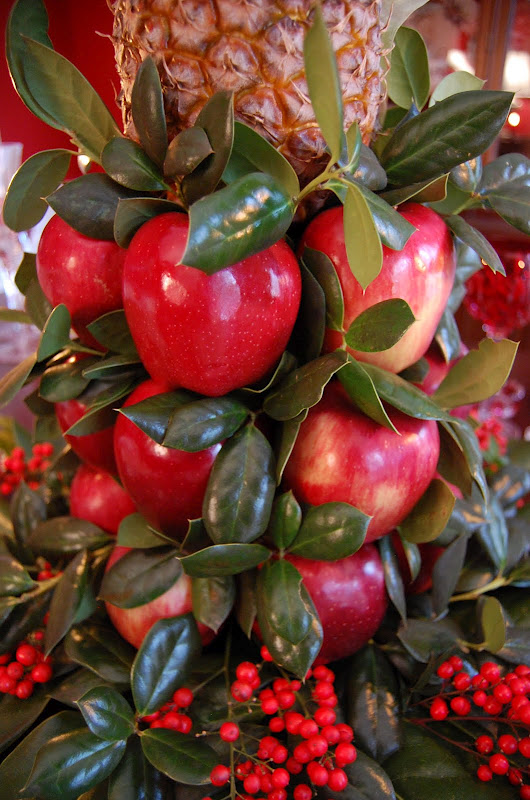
132 212
304 387
331 531
224 559
506 187
147 107
408 77
478 375
238 499
14 380
477 241
361 391
446 572
322 268
404 395
242 219
380 327
186 151
213 600
140 576
135 531
251 153
163 661
16 718
285 521
66 535
126 163
135 778
101 650
184 759
203 423
393 579
107 713
14 579
24 206
367 780
279 589
153 414
393 229
430 515
68 599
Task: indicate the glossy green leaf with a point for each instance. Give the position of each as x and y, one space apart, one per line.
393 579
89 204
246 607
321 266
238 499
447 336
12 381
73 763
37 304
413 556
26 272
76 684
126 163
367 780
14 579
404 395
373 707
466 440
107 713
369 172
425 638
446 572
135 531
380 326
459 81
224 559
65 94
286 519
93 421
16 718
147 107
506 186
467 176
102 650
408 77
363 245
200 424
475 239
28 509
140 576
37 177
478 375
283 367
242 219
213 599
393 229
184 759
252 153
132 212
217 120
135 778
115 366
196 537
111 330
152 415
452 464
279 589
186 151
66 535
494 535
331 531
63 381
308 333
304 387
394 15
324 85
361 391
67 600
430 515
163 661
288 436
56 333
492 623
452 131
431 190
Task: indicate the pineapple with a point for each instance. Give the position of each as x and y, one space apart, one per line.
255 49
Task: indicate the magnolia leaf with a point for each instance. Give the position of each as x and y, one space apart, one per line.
147 107
251 153
476 240
393 15
408 77
380 326
126 163
24 205
132 212
186 151
430 515
363 245
459 81
492 623
331 531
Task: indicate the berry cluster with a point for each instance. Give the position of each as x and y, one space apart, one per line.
317 748
14 468
171 714
500 302
490 697
18 676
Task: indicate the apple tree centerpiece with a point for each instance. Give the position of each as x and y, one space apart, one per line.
264 457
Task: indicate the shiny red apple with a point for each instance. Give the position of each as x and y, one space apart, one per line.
422 274
98 497
349 596
134 623
166 485
85 274
96 449
207 333
342 455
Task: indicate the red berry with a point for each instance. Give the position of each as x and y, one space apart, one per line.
507 744
286 699
324 716
293 766
518 686
337 780
445 671
515 776
345 753
345 731
183 697
7 684
269 705
318 745
479 697
462 681
252 784
279 754
151 717
499 764
300 752
308 728
280 778
478 682
323 673
484 773
456 663
26 654
484 744
492 706
502 693
15 670
522 670
5 658
41 673
524 792
229 732
277 794
524 714
438 709
246 672
329 702
264 652
490 671
241 691
293 720
461 706
318 774
220 775
524 747
24 689
302 792
330 734
276 724
323 690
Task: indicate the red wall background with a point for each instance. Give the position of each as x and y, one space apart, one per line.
74 30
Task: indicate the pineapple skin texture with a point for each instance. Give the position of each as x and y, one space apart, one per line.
255 49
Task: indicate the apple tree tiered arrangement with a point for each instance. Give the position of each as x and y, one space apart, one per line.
256 449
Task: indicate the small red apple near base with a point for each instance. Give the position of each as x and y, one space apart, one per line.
83 273
166 485
95 449
422 274
349 596
207 333
342 455
134 623
98 497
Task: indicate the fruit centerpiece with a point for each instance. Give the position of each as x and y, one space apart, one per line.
264 542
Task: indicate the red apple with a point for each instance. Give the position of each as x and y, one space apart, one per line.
342 455
207 333
349 596
166 485
422 274
85 274
95 449
438 367
134 623
98 497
